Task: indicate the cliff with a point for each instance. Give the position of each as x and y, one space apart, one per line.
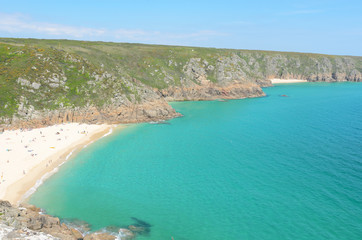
28 222
44 82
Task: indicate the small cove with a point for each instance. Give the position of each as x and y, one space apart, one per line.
277 167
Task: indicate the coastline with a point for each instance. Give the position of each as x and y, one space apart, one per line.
17 186
278 80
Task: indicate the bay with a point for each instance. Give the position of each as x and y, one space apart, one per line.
284 166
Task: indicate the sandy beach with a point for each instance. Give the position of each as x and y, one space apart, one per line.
278 80
29 156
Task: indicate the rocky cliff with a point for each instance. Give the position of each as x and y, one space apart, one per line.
44 82
28 222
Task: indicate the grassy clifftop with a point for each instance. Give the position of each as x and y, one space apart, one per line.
38 75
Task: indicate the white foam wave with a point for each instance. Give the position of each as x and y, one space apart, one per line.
121 235
68 156
108 133
43 178
39 182
48 174
124 234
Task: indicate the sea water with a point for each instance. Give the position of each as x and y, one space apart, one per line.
284 166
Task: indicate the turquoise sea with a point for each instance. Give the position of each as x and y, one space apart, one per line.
276 167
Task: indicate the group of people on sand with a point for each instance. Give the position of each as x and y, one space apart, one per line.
28 139
48 163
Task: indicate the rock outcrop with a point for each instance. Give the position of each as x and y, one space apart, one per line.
27 222
92 82
131 113
211 92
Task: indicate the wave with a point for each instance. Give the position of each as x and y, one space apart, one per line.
48 174
87 144
43 178
108 133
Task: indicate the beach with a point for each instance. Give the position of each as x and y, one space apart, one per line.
226 170
278 80
28 156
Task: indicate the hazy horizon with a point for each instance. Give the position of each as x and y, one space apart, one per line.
326 27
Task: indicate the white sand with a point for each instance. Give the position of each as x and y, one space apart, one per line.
278 80
25 156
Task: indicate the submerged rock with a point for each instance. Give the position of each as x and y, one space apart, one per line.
126 234
137 229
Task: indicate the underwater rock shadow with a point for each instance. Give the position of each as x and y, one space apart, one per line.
140 227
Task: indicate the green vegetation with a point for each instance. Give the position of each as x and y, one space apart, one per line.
49 74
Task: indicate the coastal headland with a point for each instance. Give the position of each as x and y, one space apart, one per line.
57 96
48 82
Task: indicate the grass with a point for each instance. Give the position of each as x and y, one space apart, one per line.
96 71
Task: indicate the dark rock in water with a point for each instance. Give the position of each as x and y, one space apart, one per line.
137 229
140 227
141 223
113 229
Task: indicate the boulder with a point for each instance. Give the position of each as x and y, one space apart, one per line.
33 208
78 235
137 229
5 204
34 223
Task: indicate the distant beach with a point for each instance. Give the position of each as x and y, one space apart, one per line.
30 155
278 80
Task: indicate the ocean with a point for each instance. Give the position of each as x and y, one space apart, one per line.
284 166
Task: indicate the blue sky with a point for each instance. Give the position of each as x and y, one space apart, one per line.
319 26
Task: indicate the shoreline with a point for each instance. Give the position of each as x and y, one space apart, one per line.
278 80
20 187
